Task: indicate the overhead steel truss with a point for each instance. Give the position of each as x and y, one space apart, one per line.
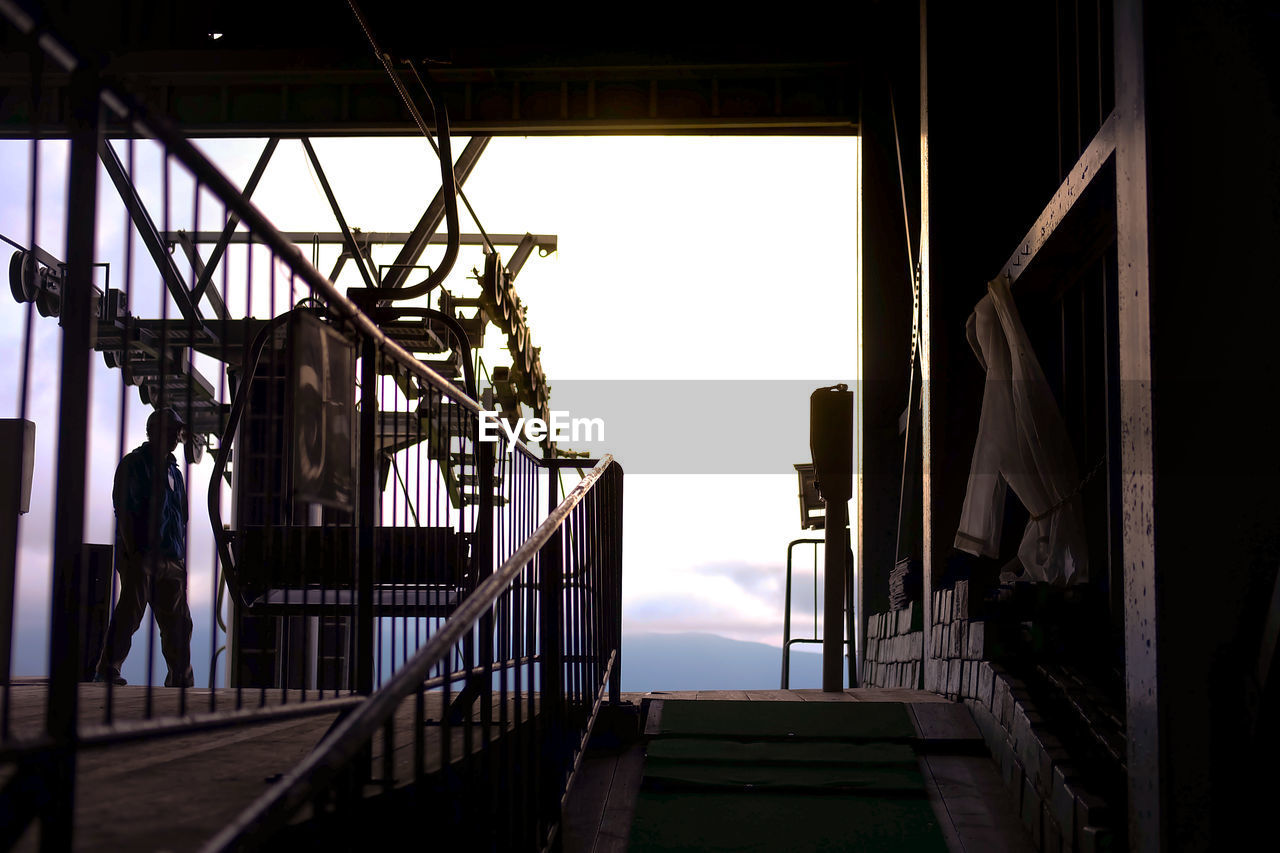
255 94
154 353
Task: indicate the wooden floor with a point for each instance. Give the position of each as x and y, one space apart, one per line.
176 792
98 706
965 790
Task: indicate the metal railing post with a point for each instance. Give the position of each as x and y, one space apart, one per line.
850 611
66 612
614 544
833 596
484 568
366 515
366 655
786 623
551 584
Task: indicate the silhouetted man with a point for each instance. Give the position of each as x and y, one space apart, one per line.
151 537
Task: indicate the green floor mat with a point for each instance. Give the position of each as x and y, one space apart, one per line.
876 780
835 721
777 752
783 776
783 823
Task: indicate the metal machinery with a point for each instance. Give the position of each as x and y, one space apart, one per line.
277 519
294 381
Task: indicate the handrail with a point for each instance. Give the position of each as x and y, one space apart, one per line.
272 810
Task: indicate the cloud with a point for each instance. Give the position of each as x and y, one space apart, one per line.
765 581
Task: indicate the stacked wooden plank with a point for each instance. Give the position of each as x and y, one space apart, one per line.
957 643
905 583
895 646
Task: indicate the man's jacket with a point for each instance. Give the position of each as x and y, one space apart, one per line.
137 533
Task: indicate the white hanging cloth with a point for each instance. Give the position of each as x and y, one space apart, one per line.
1022 444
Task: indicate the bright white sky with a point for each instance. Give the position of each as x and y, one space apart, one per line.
679 258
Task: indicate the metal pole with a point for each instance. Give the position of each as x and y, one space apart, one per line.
850 610
833 596
786 623
484 568
73 432
615 545
367 508
551 629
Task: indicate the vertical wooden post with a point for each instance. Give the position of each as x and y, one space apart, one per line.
1142 721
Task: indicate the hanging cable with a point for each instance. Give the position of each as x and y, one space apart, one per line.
476 219
913 274
443 151
913 263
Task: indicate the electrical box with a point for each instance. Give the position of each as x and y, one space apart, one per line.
20 436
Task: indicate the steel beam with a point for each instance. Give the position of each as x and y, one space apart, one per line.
338 265
417 240
238 97
348 239
1062 213
150 234
202 274
202 283
544 242
520 255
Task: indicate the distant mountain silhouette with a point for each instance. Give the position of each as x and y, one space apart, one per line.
693 661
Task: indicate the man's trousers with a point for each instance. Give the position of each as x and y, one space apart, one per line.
163 585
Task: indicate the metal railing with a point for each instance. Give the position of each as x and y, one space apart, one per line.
366 555
815 636
554 609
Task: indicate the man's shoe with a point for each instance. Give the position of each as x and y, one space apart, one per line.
99 678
